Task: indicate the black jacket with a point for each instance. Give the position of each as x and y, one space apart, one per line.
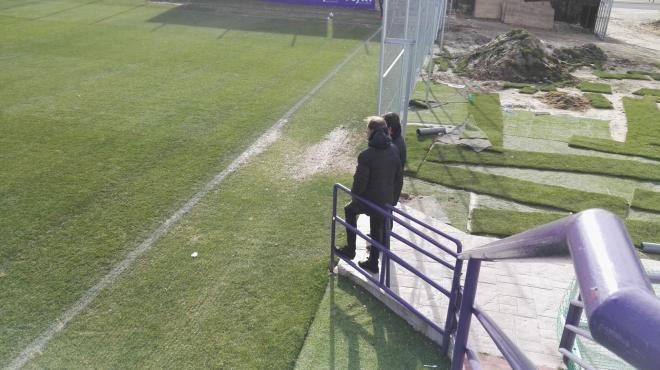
379 175
400 144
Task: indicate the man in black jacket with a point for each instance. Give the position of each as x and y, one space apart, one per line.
379 179
394 125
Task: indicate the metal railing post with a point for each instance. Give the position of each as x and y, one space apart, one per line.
333 229
386 259
465 313
454 299
568 337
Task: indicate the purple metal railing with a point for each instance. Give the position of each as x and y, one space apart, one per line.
402 218
622 310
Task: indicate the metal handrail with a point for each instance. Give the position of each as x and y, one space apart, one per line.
453 294
616 291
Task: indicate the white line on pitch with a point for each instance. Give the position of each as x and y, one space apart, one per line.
263 142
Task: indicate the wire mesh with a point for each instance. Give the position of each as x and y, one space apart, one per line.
410 28
594 353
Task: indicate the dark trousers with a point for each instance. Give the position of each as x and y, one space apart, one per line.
376 223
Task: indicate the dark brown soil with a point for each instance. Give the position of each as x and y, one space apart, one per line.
587 54
516 56
562 100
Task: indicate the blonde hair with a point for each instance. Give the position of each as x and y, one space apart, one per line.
375 122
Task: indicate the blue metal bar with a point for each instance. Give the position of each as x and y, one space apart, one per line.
579 331
394 257
465 314
616 291
386 213
654 278
393 295
571 356
572 318
577 303
427 226
516 359
423 251
333 230
454 299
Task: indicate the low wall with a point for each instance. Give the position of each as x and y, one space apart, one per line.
538 14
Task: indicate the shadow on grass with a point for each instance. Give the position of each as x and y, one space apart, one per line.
259 16
365 334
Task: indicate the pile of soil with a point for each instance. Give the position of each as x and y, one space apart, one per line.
516 56
587 54
562 100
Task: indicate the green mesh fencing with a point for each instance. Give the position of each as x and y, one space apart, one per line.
595 354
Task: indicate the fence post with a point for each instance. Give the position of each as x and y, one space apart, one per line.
333 228
568 337
454 299
465 313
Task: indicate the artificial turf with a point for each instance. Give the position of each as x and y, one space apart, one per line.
620 76
546 161
520 190
643 135
485 109
487 221
497 222
417 148
353 330
598 101
595 87
647 92
646 199
450 110
528 90
110 121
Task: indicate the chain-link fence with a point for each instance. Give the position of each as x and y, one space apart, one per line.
410 28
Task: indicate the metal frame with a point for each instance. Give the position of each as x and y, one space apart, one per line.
616 292
603 18
416 226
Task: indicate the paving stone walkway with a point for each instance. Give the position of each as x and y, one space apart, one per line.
524 298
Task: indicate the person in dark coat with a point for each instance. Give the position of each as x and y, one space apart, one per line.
379 179
394 125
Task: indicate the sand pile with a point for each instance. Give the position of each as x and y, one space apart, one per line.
516 56
562 100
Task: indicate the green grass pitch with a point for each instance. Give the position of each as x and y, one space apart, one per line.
113 113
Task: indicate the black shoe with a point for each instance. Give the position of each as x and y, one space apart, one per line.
369 266
346 252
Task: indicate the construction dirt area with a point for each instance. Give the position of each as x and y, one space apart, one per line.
633 44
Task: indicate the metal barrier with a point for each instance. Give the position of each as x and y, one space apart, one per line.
603 18
392 214
622 310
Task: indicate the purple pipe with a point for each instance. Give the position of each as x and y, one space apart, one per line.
621 307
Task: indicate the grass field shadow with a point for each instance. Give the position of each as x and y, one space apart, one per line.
364 324
259 16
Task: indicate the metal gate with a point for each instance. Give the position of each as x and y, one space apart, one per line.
603 18
410 28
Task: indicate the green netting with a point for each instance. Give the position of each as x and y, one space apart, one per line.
595 354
